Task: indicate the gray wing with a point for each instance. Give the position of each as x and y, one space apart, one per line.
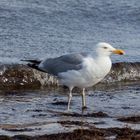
63 63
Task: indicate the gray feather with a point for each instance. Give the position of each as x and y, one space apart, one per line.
63 63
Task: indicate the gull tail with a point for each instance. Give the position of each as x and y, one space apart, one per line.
33 64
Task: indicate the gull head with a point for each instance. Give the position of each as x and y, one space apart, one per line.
105 49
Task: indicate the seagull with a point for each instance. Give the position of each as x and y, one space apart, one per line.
80 70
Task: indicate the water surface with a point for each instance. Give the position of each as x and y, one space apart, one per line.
38 29
44 111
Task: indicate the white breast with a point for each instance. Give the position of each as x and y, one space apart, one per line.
92 72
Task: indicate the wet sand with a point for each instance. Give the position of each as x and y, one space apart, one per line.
85 134
112 113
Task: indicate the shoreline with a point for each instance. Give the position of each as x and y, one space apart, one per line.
112 113
85 134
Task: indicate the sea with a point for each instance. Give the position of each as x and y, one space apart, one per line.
38 29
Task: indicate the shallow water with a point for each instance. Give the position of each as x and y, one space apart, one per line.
44 111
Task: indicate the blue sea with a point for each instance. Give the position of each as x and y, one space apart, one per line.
37 29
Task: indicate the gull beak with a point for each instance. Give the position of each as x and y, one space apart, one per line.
120 52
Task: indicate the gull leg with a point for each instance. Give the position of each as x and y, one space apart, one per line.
69 97
83 99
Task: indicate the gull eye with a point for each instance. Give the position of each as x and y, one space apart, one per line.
105 47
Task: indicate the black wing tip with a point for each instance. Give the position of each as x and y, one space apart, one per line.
32 61
33 66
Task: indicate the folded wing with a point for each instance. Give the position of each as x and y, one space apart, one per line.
63 63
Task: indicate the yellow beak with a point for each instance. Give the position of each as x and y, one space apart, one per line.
120 52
